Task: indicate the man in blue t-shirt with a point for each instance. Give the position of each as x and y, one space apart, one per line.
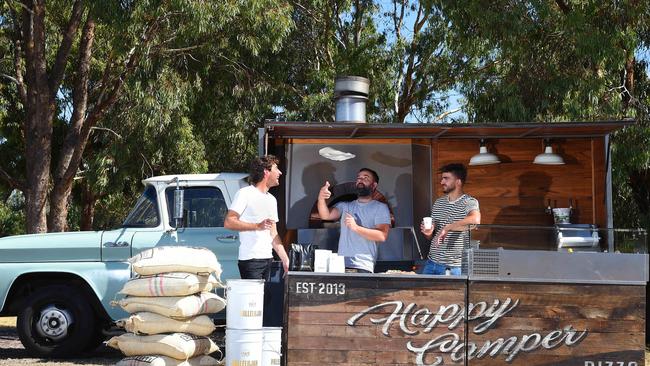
364 222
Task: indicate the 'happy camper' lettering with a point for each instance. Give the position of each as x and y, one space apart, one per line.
413 320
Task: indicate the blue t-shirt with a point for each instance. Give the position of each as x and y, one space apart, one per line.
360 252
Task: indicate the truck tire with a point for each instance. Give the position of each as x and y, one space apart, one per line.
96 339
56 321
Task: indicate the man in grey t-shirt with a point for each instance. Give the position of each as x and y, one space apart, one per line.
364 222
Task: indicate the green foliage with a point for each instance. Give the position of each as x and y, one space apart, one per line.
12 218
212 71
194 111
112 209
631 173
534 61
186 53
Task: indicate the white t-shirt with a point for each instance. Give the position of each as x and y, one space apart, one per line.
253 206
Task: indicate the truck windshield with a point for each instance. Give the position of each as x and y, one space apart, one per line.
145 212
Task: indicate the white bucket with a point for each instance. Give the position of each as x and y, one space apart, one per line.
244 346
245 306
272 346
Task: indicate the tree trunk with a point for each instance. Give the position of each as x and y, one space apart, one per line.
59 199
76 137
38 123
38 148
640 186
88 200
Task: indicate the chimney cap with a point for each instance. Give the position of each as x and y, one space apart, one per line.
351 85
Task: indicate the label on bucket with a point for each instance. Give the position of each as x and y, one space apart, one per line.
272 346
250 313
243 347
245 307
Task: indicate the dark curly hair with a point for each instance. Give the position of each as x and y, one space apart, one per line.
259 165
457 169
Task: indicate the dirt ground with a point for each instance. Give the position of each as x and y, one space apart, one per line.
13 353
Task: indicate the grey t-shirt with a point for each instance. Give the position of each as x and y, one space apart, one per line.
360 252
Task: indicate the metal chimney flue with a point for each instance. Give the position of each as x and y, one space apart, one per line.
351 95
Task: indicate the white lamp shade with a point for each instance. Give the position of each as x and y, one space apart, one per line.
548 157
484 158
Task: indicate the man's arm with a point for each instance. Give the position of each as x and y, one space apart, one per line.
279 248
324 212
232 222
379 233
473 218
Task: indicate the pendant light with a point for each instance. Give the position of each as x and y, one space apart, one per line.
484 157
548 157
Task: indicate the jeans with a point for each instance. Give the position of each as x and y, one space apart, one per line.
255 269
435 268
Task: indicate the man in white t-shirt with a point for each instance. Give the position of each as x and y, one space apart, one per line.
254 213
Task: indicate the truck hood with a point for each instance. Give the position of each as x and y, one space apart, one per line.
78 246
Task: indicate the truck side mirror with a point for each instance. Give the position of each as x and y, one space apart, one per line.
178 207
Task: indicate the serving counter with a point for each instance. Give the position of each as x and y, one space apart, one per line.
567 309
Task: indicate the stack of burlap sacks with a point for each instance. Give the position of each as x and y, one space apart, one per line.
169 300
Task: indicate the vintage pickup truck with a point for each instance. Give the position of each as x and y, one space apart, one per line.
60 285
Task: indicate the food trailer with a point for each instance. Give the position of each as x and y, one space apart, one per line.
536 288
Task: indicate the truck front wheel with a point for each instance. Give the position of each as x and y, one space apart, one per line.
56 321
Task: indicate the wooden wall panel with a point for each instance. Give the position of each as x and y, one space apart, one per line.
517 192
462 322
607 322
318 329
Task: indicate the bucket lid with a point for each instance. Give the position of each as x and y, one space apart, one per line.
240 281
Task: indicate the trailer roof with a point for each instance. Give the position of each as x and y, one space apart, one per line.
443 130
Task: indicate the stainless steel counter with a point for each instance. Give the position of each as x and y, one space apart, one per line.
550 266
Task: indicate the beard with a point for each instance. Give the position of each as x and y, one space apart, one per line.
363 191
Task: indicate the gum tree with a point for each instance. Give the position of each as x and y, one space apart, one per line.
68 63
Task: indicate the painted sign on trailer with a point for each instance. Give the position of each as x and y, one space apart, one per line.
429 320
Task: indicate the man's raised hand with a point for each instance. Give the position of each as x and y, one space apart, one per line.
325 192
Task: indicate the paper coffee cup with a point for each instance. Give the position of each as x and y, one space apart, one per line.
428 222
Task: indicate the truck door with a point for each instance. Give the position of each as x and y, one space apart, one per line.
205 210
116 245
